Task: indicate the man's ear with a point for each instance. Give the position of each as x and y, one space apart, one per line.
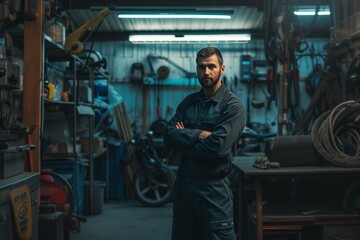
222 69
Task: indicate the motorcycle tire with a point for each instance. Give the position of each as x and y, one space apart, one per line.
153 187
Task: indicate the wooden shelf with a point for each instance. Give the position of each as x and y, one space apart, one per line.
58 102
296 215
59 156
95 155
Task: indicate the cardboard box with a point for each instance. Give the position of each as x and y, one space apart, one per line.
4 10
98 145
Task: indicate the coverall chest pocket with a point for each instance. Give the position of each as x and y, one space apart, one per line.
209 122
190 122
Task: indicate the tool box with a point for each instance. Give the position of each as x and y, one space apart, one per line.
11 163
51 224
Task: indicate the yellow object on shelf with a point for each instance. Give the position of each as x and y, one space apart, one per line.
51 91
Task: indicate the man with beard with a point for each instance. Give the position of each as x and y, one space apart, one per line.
205 129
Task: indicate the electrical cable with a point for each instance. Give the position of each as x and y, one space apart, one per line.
327 89
336 134
66 183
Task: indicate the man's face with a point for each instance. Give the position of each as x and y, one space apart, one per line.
209 71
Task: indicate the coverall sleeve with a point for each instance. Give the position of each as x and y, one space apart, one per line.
180 139
225 134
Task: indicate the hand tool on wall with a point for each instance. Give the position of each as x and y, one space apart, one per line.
163 72
18 128
15 149
151 58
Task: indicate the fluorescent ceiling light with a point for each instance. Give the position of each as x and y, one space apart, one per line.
175 16
311 11
230 38
324 12
305 13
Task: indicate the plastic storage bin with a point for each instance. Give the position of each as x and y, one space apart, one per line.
116 182
98 197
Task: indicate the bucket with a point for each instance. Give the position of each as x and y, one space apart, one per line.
98 197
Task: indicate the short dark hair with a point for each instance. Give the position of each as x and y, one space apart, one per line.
208 52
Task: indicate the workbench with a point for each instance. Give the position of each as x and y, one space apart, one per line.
297 216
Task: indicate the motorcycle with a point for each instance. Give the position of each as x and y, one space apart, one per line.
153 180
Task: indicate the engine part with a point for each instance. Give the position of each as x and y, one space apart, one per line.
158 127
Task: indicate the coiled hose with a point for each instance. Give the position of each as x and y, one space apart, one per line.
336 134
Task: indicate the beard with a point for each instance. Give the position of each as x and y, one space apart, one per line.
209 82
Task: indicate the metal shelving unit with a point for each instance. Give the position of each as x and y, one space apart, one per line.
56 59
102 155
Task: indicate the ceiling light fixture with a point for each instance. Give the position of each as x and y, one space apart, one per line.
324 12
228 38
174 16
311 11
305 13
175 13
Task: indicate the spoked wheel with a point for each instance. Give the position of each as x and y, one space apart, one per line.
153 187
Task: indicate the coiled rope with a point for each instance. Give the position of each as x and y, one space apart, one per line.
336 134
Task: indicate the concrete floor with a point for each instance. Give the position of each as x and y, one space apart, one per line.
126 220
129 220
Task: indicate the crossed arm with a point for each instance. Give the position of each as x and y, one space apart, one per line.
202 135
202 144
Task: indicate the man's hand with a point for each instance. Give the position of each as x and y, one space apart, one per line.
179 125
204 134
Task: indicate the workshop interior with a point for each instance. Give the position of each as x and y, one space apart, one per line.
87 89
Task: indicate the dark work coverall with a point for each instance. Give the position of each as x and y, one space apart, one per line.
203 201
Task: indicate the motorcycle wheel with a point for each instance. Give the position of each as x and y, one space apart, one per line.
153 187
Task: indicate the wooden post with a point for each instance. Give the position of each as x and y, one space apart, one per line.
259 216
33 66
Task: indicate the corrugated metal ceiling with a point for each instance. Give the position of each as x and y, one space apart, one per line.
243 18
246 18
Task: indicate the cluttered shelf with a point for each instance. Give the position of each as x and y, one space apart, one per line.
93 105
56 52
58 155
48 101
95 155
303 214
